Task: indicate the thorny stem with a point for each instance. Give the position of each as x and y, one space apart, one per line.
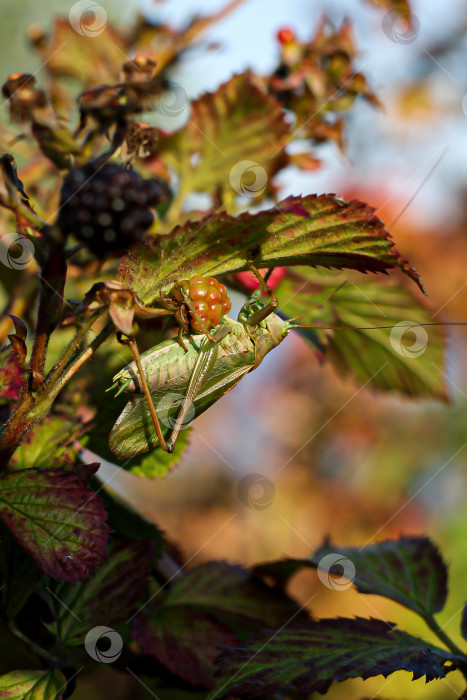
53 391
72 347
52 282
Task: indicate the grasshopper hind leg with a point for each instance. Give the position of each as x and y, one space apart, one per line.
201 372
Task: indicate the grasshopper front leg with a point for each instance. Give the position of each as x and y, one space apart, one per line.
201 372
131 342
258 316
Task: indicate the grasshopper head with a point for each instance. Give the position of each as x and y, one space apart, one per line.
125 380
275 325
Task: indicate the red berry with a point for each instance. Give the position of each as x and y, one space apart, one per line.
197 280
199 292
226 306
209 299
215 312
214 295
285 35
202 308
222 291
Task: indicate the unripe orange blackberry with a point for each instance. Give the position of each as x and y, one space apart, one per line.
209 299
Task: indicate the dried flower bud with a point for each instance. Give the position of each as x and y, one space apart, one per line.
141 139
17 81
140 68
26 101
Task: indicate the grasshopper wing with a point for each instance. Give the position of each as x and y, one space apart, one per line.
133 433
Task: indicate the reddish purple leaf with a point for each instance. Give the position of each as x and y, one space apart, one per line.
186 642
57 519
11 373
109 597
212 603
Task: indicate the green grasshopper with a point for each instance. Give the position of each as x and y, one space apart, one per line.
202 371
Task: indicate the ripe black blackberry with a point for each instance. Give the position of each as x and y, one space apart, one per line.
107 207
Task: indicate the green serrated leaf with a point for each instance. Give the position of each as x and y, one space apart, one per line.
49 444
315 230
71 51
32 685
57 519
409 570
226 131
309 656
108 598
158 463
230 591
406 356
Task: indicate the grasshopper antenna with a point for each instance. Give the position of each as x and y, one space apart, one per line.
323 301
375 328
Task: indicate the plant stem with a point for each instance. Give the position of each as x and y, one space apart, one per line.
54 390
71 348
52 282
40 651
447 641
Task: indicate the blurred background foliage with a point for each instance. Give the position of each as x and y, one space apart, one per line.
369 466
